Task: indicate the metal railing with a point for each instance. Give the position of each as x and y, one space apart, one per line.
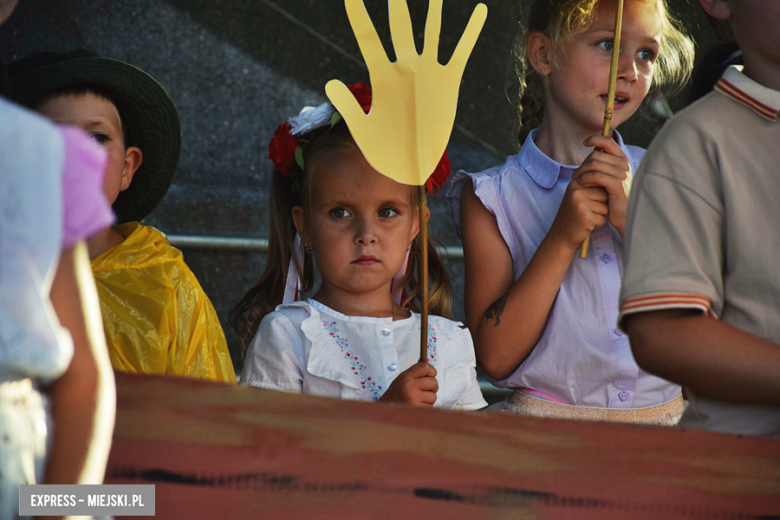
259 244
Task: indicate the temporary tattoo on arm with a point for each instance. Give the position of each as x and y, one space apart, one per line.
496 309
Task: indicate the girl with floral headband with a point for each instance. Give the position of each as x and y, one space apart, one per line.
358 336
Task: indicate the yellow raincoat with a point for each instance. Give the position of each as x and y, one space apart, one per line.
157 318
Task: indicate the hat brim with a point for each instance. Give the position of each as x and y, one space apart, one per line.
148 113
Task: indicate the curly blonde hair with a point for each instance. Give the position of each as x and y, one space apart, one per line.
560 20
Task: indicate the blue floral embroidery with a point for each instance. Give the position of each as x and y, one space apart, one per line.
359 369
432 346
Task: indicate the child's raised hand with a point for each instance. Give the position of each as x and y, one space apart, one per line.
608 169
416 385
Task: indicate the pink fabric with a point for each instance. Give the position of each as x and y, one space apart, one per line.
541 395
85 207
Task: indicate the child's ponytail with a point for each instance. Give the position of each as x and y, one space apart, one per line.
531 106
440 288
263 298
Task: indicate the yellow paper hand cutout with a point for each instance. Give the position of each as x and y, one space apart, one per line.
414 99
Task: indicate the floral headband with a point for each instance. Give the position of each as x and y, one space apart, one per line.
286 148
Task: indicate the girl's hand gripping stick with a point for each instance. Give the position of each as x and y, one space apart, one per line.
605 129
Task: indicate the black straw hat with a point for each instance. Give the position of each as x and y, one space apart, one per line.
146 109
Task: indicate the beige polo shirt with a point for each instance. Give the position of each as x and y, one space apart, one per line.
703 228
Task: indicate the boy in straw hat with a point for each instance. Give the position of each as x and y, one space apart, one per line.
701 292
157 318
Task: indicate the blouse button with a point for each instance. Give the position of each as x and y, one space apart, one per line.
606 258
392 367
624 395
386 332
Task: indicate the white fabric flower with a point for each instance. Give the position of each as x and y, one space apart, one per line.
311 118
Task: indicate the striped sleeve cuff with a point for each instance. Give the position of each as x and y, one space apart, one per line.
663 301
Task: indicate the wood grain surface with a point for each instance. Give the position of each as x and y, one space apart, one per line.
222 452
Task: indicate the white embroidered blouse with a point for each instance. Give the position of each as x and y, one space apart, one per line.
306 347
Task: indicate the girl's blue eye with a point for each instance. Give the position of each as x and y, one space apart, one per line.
646 55
340 213
605 44
101 138
387 212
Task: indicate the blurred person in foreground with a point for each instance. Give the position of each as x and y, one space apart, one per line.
701 287
57 397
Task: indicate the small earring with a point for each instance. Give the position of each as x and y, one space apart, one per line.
308 249
408 248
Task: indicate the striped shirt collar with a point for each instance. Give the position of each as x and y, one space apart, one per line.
735 85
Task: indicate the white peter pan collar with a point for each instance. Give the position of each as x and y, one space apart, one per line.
320 308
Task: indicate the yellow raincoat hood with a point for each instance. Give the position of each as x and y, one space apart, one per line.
157 318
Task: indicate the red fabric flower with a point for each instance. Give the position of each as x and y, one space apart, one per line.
362 93
281 149
439 175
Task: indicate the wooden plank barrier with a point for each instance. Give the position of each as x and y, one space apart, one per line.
221 452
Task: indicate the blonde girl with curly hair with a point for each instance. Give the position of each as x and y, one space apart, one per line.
544 321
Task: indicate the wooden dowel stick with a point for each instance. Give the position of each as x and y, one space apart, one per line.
613 69
423 210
